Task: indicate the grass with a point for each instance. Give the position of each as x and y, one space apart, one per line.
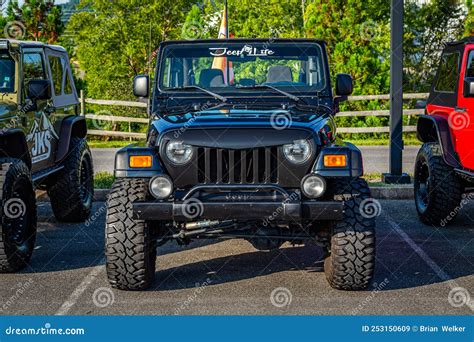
382 142
103 180
94 143
375 179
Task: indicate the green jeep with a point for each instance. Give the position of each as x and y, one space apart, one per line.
42 146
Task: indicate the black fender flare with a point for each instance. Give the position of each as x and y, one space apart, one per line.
122 163
354 166
72 126
435 128
13 145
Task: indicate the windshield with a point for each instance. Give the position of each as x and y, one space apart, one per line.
7 73
294 67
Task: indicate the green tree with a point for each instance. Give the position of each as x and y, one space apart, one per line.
115 40
34 20
358 39
427 29
469 27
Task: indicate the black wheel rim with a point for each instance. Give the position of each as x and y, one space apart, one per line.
85 179
422 185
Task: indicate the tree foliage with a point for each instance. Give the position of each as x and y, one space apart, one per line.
38 20
115 40
469 27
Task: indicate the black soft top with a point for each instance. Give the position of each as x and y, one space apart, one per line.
243 40
32 44
465 40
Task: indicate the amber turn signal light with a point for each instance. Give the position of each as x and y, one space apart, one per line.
140 161
335 160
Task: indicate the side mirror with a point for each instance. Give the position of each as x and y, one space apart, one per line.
469 87
39 90
141 86
344 85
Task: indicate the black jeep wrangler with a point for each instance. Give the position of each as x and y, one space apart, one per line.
241 144
42 146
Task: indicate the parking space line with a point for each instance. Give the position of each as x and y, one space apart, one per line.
418 250
430 262
83 286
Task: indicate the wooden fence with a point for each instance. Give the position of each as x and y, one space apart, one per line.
132 135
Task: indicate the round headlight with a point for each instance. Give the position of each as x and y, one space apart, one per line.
299 152
161 187
313 186
178 152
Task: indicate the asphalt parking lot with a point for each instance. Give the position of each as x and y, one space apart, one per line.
417 268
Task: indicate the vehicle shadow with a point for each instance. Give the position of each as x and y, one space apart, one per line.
409 255
238 267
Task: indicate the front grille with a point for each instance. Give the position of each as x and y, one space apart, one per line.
251 166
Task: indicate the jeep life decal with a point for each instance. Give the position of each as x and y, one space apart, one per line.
247 50
41 134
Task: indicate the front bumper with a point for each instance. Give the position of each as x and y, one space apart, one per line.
194 210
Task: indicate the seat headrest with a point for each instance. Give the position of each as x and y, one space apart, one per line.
279 73
211 78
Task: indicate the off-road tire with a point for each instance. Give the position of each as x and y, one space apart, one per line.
444 189
18 215
72 189
130 248
351 261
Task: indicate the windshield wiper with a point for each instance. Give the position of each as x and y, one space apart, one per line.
214 95
260 86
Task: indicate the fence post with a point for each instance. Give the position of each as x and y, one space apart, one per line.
83 104
396 175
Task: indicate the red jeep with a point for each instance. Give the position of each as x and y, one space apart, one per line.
444 168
